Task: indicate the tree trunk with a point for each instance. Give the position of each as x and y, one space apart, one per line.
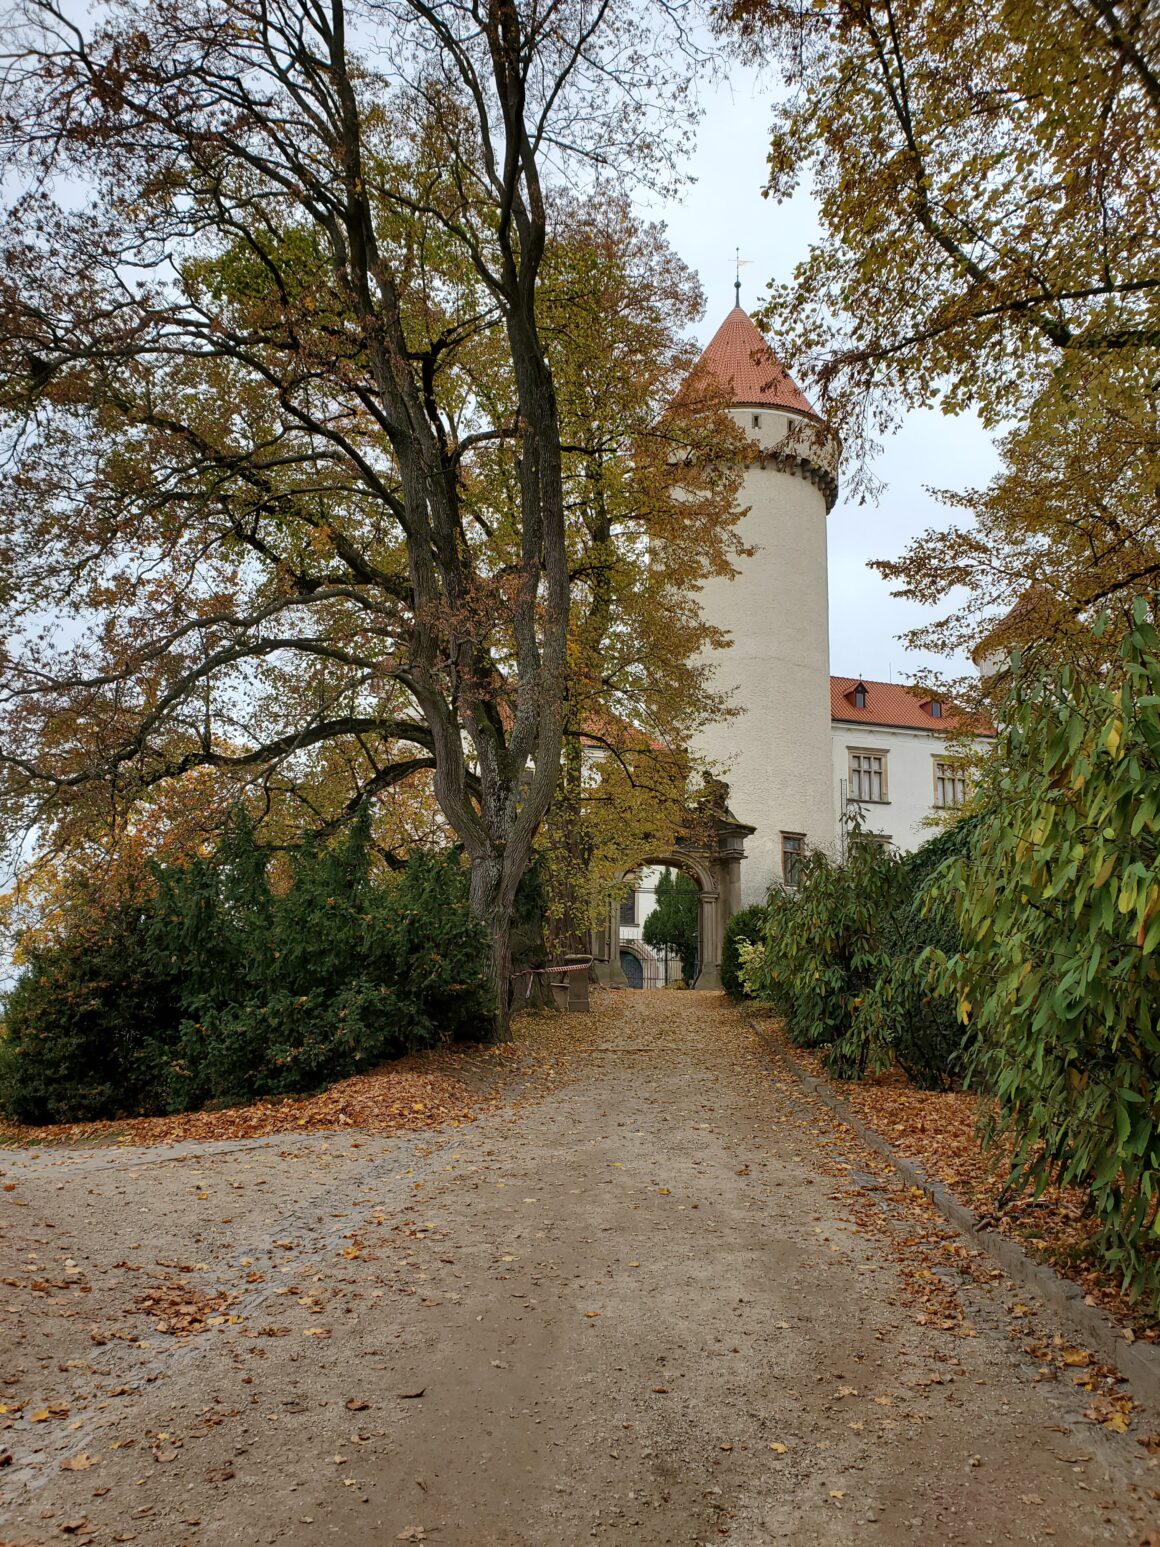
493 903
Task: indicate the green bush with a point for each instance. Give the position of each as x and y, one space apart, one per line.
823 943
844 959
906 1016
747 925
222 986
1059 903
80 1023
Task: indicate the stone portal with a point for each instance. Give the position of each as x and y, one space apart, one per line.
713 860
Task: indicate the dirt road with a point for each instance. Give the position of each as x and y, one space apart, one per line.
652 1297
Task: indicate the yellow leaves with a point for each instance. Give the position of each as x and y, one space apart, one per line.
1105 871
80 1463
778 1448
1113 1413
1114 737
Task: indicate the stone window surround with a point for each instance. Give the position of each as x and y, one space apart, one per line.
956 774
883 755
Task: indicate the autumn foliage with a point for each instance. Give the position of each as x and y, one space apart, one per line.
987 178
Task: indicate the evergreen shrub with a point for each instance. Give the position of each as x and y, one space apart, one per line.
221 984
672 925
79 1038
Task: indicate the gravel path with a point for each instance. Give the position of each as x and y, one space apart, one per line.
654 1296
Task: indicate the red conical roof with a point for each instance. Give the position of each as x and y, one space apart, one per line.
742 361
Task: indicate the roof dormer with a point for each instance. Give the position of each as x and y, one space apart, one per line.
858 695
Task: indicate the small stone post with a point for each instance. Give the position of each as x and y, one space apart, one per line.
578 983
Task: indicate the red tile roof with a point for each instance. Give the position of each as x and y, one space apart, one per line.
741 359
893 704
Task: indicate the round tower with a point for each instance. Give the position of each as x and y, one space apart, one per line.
777 753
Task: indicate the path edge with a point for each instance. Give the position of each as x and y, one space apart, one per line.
1139 1364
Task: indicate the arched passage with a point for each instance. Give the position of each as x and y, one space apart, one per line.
715 867
708 907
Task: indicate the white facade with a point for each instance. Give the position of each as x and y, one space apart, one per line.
915 790
776 755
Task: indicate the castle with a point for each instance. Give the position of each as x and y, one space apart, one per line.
805 745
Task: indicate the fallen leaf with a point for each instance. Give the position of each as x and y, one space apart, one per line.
407 1396
356 1405
80 1463
777 1446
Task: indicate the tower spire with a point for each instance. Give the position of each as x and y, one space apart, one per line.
737 279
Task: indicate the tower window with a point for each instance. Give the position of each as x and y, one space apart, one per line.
757 421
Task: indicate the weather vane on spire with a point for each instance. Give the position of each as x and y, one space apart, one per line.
741 264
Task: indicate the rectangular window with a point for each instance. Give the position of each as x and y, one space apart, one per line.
628 910
868 776
793 852
950 782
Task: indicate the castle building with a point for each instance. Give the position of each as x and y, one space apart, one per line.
804 746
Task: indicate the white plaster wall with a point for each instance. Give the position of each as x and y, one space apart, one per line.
777 755
911 756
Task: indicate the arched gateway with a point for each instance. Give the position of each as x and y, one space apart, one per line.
714 864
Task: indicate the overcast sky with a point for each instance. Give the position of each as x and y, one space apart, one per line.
723 210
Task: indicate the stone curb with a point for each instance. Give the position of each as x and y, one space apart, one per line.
1138 1363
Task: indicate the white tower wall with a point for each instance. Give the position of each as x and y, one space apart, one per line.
777 754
